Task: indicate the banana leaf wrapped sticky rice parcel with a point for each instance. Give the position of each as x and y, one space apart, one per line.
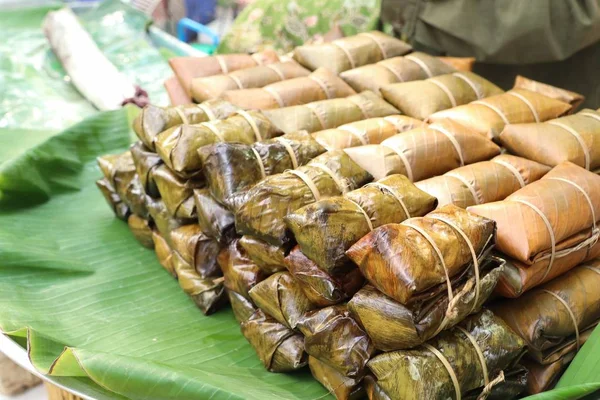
424 152
327 228
412 67
233 167
574 99
117 205
177 193
214 219
319 85
211 87
327 114
341 386
261 209
197 250
141 229
483 182
554 320
164 253
469 359
163 221
420 99
240 273
269 258
351 52
146 162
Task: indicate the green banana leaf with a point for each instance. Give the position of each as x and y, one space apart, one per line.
93 307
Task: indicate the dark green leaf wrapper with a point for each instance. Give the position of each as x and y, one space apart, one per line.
215 220
177 193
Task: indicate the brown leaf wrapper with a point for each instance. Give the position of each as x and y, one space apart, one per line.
319 85
163 221
240 273
573 138
242 307
281 298
342 387
328 114
351 52
332 336
523 233
188 68
574 99
269 258
279 348
177 193
545 322
368 131
146 162
326 229
483 182
117 206
153 120
178 146
141 230
420 374
459 63
321 288
424 152
214 86
415 66
197 250
489 116
214 219
176 92
163 253
373 390
399 261
230 168
264 206
420 99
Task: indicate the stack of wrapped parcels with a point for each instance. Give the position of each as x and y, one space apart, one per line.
366 244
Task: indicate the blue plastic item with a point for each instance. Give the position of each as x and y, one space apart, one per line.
185 24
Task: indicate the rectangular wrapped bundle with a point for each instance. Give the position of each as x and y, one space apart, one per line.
240 273
197 250
214 219
177 193
483 182
469 358
549 220
319 85
574 99
489 116
141 229
153 120
163 221
424 152
368 131
230 168
420 99
327 114
176 92
146 161
269 258
341 386
188 68
413 67
117 205
242 308
351 52
324 230
572 138
261 209
214 86
178 146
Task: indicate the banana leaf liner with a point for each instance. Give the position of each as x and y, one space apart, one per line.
240 273
212 87
552 317
279 348
574 99
118 206
163 253
489 116
214 219
333 337
163 221
328 114
418 258
178 146
242 307
141 229
233 167
461 360
188 68
153 120
342 387
572 138
368 131
420 99
269 258
483 182
177 95
146 161
197 250
351 52
327 228
319 85
280 297
394 326
424 152
263 207
412 67
321 288
548 220
177 193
